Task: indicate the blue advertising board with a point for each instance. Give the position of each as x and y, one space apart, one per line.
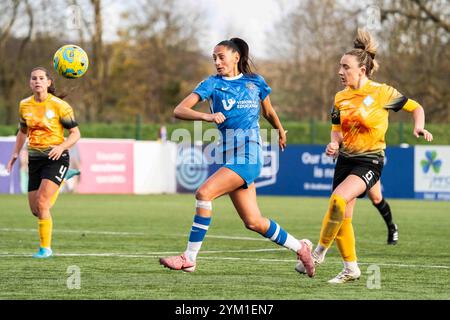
304 170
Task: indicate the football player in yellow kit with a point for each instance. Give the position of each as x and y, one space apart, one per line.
43 118
359 124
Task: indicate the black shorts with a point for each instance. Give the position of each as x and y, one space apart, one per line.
368 169
43 168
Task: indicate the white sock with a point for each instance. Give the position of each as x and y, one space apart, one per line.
292 243
192 250
321 250
352 265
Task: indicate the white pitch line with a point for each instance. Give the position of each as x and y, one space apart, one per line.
131 234
159 254
147 254
114 233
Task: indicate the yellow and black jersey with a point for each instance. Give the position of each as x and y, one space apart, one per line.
45 122
362 117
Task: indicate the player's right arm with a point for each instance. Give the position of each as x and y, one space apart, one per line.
184 111
20 140
336 136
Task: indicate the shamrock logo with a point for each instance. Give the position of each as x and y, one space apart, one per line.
431 162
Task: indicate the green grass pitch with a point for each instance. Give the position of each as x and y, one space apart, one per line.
115 241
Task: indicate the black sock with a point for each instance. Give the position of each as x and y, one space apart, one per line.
385 211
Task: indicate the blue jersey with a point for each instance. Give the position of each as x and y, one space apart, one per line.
238 98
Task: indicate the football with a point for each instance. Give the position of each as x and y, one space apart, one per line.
70 61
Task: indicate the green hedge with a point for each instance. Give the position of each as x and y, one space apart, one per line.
299 132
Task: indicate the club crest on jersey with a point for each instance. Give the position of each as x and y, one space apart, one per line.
50 114
368 101
229 105
250 86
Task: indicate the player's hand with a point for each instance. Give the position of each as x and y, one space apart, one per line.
332 149
55 153
11 162
282 139
217 117
422 132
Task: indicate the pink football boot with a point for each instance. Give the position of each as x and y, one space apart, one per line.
178 263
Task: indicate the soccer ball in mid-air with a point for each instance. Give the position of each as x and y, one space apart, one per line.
70 61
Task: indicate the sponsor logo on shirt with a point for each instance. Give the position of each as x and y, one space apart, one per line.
251 86
240 104
50 114
368 101
228 104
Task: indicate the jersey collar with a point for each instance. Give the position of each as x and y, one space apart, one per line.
362 89
240 75
49 96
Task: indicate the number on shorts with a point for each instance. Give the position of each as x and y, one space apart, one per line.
62 171
368 176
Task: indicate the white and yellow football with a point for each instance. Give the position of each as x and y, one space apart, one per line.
70 61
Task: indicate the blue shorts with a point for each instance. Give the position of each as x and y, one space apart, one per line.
246 161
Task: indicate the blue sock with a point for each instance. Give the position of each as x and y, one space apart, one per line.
198 232
276 233
281 237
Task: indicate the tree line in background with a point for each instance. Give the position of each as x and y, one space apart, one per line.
155 59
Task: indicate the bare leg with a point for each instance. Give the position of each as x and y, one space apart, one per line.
244 201
221 182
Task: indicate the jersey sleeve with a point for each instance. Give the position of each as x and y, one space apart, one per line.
205 89
67 116
264 89
411 105
335 118
393 99
22 122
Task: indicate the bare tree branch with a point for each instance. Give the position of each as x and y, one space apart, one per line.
429 16
27 39
432 16
5 33
386 12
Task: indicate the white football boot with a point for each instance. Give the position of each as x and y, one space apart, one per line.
346 275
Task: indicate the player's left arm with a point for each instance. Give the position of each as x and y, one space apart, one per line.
271 116
396 101
74 136
419 119
68 122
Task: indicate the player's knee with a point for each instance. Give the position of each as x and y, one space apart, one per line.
376 199
42 204
337 207
203 193
34 210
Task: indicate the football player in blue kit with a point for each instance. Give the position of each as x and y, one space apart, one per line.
235 95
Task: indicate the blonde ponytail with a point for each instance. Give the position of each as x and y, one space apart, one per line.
365 48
